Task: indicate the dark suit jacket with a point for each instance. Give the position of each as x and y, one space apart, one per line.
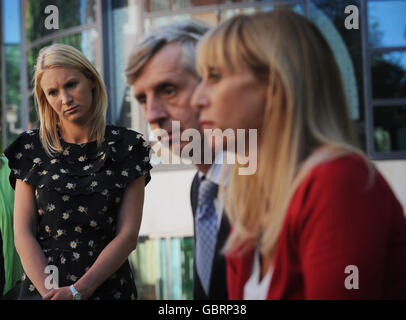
218 281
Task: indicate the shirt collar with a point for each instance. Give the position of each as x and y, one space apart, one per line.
216 169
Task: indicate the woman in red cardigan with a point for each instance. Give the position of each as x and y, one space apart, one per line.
316 220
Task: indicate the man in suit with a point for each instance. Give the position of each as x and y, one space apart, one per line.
161 71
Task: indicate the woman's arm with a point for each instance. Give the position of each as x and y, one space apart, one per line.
118 250
28 248
345 225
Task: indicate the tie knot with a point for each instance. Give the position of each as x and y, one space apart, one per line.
207 192
208 188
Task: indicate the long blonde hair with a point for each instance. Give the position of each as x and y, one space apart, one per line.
61 55
306 110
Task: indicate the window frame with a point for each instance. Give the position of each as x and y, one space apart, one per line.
104 27
369 102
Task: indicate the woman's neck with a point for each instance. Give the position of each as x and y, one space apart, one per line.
73 133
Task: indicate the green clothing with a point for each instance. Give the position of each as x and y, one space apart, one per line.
12 264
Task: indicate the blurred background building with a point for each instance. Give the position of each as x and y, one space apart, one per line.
372 61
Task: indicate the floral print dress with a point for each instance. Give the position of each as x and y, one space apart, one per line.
78 194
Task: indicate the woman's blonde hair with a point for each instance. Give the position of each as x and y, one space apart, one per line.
64 56
306 110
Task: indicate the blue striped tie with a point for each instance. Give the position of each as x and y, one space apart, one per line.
206 231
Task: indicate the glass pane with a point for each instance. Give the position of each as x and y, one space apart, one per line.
215 17
175 258
163 268
33 117
13 93
10 21
187 268
159 5
172 5
389 74
228 13
163 280
390 129
156 5
154 23
329 17
10 39
127 26
87 42
71 13
145 262
387 23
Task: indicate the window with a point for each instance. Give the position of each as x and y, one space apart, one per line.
385 77
329 16
163 268
3 123
132 19
77 27
10 86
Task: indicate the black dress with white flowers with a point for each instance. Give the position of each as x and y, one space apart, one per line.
78 194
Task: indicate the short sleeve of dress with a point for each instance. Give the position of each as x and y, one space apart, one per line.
25 155
132 153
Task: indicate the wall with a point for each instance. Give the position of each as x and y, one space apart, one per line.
395 174
167 210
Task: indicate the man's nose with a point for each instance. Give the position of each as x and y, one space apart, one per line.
155 111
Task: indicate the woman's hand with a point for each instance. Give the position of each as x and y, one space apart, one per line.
63 293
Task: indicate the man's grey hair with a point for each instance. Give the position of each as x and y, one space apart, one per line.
186 32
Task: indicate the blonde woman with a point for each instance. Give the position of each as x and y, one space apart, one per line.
316 221
79 187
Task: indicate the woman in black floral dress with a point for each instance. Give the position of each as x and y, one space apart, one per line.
79 187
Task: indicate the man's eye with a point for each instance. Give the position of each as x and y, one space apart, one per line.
168 91
71 84
214 76
141 100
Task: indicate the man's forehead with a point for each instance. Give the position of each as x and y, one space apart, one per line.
168 58
165 66
155 78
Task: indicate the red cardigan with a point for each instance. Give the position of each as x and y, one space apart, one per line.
332 222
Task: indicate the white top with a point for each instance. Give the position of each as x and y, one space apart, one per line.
255 289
